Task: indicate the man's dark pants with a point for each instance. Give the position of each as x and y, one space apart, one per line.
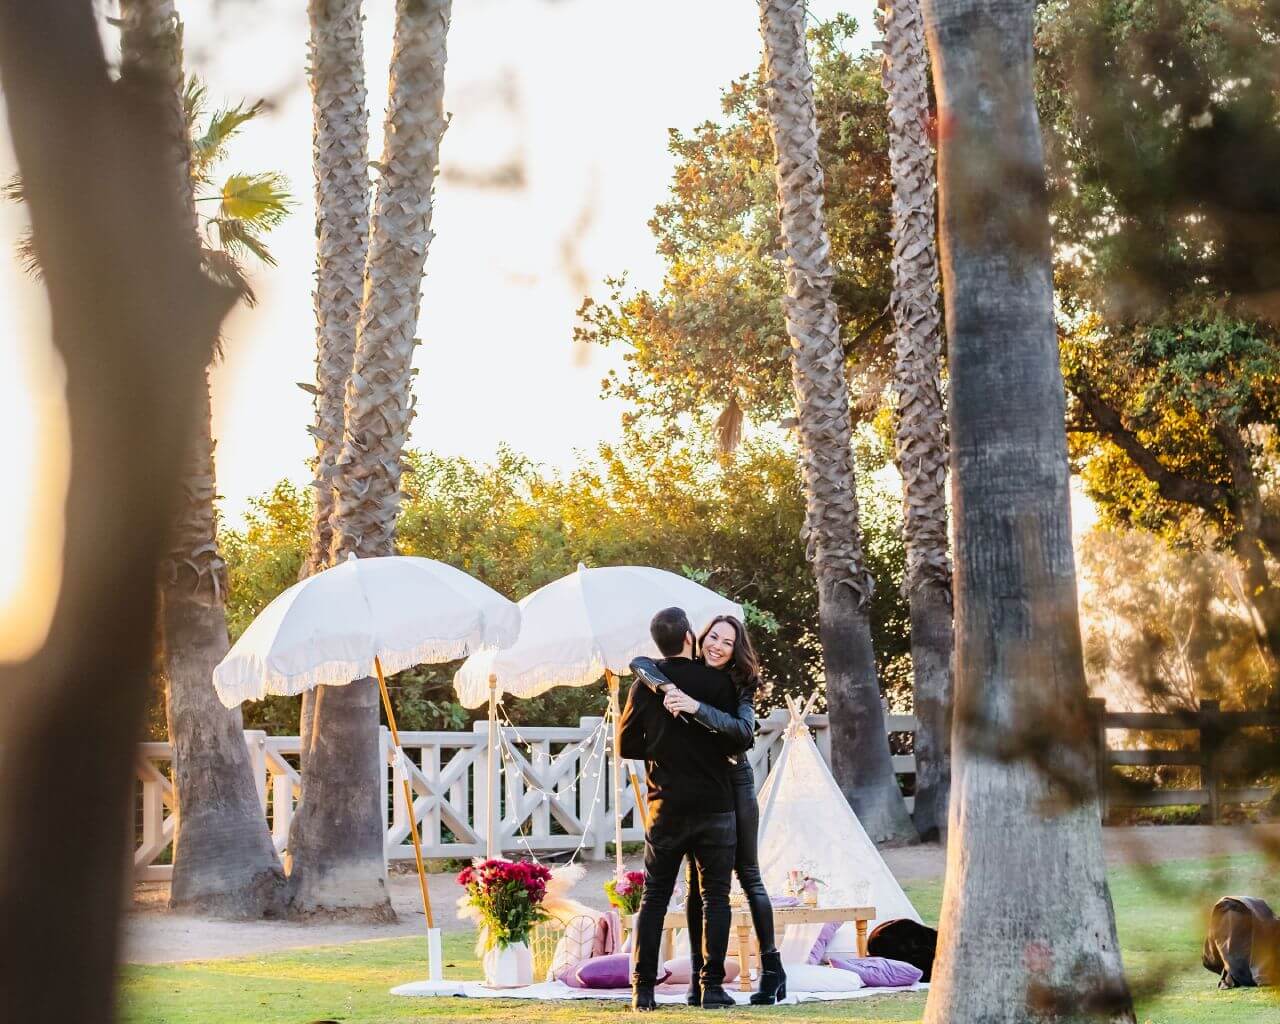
710 839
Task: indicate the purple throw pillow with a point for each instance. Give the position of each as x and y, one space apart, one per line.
878 972
819 951
613 971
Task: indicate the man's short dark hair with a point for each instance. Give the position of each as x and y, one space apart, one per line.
669 629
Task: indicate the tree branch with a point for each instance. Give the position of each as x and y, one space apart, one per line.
1172 486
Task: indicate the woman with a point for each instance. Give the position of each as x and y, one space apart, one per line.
725 645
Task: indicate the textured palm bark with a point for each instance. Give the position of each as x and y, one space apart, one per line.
1027 929
860 754
336 841
133 319
340 158
224 862
920 425
223 859
932 643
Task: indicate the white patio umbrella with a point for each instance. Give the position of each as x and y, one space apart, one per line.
345 622
367 617
584 625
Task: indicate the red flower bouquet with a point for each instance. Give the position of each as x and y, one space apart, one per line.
625 893
504 898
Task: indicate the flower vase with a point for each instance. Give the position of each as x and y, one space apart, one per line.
508 967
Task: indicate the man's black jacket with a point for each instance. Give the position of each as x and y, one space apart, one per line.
687 766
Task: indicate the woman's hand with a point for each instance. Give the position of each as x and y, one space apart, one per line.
678 702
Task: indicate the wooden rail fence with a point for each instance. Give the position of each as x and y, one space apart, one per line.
1207 740
554 788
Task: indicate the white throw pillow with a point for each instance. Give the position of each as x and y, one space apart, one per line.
844 942
819 978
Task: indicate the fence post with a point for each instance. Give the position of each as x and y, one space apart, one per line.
1210 722
822 736
486 789
256 741
1101 752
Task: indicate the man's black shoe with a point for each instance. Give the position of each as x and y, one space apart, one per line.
642 998
714 997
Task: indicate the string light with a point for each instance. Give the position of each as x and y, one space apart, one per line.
587 746
592 752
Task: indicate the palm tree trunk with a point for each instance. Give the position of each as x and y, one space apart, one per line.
1024 864
921 443
134 319
860 754
224 861
340 143
337 841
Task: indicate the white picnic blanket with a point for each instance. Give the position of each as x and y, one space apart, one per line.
549 990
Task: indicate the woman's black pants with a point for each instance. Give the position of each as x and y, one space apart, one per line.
746 865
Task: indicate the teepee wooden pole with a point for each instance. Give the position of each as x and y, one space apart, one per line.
408 797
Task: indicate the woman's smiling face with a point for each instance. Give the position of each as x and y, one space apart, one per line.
717 645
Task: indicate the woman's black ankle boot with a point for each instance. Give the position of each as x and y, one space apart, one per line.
773 981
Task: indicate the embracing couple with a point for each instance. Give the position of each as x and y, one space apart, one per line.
691 719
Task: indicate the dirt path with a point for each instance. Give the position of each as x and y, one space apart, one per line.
154 935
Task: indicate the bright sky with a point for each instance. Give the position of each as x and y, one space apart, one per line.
578 93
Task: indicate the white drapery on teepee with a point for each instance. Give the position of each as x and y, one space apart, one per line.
806 824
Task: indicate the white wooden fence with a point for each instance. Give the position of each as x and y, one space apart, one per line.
554 789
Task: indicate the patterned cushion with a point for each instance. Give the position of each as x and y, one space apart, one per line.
574 946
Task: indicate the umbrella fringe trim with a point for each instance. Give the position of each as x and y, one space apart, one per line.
472 686
252 680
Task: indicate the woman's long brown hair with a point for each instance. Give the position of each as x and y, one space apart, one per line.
744 666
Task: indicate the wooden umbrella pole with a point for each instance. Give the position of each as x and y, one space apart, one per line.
617 767
491 800
635 789
408 797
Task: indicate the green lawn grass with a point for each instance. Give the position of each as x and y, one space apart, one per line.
1158 913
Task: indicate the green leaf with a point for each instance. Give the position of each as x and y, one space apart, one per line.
260 199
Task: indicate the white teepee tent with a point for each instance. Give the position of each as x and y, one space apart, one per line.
806 824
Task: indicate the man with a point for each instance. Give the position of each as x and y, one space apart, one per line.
690 805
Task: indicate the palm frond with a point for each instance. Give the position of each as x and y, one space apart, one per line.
224 269
195 95
29 255
237 238
14 190
261 199
210 145
729 427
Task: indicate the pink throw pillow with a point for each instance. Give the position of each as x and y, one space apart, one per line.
679 970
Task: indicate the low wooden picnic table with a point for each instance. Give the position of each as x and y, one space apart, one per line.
741 926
